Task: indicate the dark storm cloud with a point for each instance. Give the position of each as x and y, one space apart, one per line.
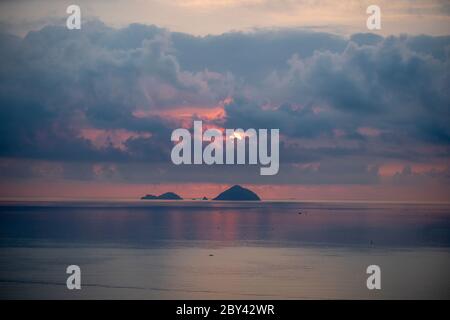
250 56
242 113
387 86
55 82
368 97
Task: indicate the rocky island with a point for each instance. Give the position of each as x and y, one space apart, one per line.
237 193
164 196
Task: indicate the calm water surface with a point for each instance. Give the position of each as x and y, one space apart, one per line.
212 250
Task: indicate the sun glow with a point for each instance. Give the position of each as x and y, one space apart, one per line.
236 135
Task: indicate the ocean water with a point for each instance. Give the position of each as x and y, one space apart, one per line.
224 250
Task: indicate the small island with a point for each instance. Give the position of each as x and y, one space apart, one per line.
237 193
164 196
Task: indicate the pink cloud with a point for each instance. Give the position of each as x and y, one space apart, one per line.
101 138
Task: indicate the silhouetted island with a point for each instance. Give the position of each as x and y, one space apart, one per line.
164 196
237 193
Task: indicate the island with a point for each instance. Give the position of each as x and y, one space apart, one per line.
200 199
237 193
164 196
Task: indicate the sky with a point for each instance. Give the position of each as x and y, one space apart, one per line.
89 113
203 17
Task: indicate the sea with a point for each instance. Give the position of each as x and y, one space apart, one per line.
224 250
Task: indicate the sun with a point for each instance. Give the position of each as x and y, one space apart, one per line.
236 135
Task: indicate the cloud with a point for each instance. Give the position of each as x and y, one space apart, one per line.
386 86
56 83
203 17
108 100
